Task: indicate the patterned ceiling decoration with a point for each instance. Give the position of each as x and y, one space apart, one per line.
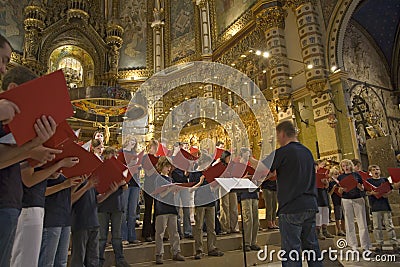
381 20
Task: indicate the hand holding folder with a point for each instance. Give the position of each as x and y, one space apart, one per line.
47 95
214 172
383 189
348 183
368 186
110 171
88 162
319 180
172 187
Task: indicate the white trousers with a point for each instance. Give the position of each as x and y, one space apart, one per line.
351 208
28 238
322 217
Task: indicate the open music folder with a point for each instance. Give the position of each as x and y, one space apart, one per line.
47 95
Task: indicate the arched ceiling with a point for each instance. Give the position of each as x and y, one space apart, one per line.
381 19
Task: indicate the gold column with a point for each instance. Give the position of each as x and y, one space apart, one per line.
317 83
34 25
272 21
158 36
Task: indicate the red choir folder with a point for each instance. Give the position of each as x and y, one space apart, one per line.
162 150
349 183
88 162
395 174
318 180
383 189
149 161
111 170
364 175
63 134
214 172
47 95
368 186
182 160
218 153
240 170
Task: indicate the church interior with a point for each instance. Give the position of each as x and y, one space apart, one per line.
330 66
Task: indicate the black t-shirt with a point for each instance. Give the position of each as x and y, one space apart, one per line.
178 176
268 184
203 196
164 205
34 196
84 212
355 192
295 169
57 207
336 199
11 191
378 204
112 203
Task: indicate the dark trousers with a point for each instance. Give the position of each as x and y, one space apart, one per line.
85 248
8 226
148 225
298 234
116 240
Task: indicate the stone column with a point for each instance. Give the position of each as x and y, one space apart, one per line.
317 83
204 8
272 21
158 37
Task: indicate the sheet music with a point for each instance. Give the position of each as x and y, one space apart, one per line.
236 183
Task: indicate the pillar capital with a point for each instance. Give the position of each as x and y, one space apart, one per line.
272 17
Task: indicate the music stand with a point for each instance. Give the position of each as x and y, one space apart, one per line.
238 186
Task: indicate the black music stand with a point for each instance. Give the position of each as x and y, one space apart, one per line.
238 186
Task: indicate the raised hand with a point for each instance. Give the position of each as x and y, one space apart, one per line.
45 127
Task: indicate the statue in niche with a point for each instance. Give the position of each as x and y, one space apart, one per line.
31 44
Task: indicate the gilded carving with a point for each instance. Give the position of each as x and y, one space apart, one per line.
271 17
298 3
317 86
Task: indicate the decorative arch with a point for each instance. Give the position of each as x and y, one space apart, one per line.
336 31
83 36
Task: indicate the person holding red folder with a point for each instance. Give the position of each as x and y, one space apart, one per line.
249 201
204 201
322 217
110 209
381 210
166 213
11 187
148 164
128 155
354 205
229 212
358 168
336 200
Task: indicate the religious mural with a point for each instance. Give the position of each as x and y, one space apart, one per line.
230 10
182 30
371 106
133 14
11 22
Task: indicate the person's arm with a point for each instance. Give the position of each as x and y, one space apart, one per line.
10 154
113 188
30 177
78 193
61 186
